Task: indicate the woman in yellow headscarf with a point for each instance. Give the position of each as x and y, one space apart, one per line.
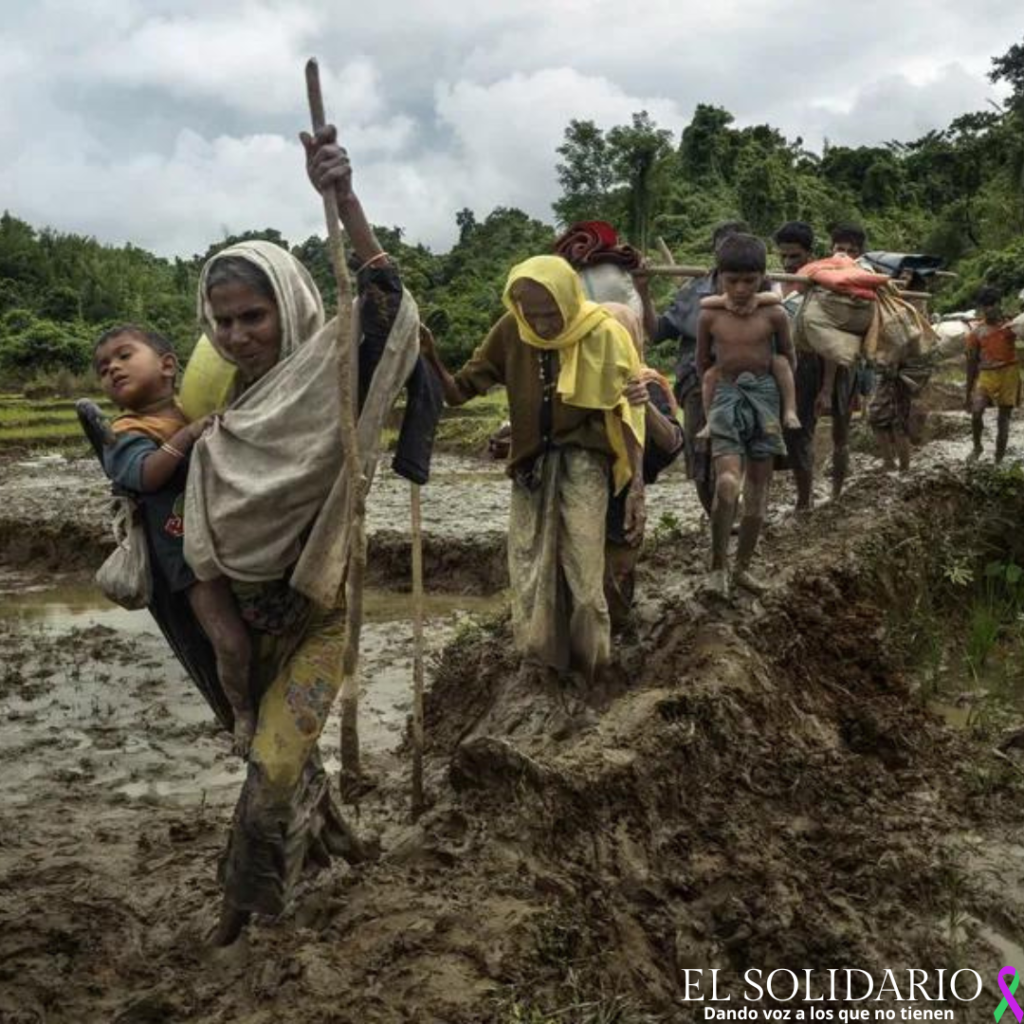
565 363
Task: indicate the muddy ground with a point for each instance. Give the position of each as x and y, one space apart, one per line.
758 785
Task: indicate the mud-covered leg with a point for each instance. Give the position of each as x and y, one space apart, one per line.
1003 431
728 469
902 445
755 505
840 449
887 448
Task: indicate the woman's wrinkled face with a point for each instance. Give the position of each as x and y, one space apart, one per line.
539 309
247 327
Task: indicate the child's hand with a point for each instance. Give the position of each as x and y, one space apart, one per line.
198 427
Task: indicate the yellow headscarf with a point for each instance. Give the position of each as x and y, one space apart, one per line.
596 354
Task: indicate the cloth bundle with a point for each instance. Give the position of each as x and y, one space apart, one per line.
833 325
898 332
840 273
594 242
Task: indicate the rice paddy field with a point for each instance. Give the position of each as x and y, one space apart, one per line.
32 423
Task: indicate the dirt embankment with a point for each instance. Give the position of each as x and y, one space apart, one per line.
759 785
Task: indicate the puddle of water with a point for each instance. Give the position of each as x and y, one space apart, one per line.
78 603
114 712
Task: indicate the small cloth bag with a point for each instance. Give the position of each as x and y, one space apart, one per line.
125 577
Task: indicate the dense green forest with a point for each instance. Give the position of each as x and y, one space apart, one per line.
958 193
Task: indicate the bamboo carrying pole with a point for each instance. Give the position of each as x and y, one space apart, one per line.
418 800
347 376
677 271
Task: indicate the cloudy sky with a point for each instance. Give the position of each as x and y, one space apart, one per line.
169 124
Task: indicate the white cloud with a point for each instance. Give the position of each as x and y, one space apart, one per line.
164 122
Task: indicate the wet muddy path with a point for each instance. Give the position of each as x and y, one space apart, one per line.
760 785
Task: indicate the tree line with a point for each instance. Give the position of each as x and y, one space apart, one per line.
957 192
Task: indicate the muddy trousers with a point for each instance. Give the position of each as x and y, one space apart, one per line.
286 817
556 562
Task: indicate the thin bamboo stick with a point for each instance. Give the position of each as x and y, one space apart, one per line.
347 376
418 799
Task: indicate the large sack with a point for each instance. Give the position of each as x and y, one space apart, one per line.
609 283
898 331
834 325
951 336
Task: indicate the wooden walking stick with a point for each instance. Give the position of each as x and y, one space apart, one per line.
347 377
418 801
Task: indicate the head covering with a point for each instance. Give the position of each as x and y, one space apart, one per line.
596 354
299 305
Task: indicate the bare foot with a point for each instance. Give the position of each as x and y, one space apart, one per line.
230 926
791 421
748 581
245 728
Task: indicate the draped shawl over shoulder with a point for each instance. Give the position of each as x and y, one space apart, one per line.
265 491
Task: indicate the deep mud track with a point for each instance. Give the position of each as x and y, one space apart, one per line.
759 785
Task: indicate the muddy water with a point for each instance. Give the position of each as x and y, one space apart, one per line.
90 695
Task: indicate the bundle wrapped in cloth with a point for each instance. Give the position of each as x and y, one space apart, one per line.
899 332
602 262
594 241
839 308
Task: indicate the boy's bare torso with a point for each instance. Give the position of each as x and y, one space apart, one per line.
742 344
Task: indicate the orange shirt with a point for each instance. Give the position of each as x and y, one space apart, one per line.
997 345
158 427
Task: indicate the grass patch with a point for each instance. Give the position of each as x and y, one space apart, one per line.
42 423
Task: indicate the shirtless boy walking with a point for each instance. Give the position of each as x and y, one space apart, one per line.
746 432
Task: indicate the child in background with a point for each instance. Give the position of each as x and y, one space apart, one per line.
993 373
149 458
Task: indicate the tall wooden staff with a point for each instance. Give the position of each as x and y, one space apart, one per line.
418 799
347 377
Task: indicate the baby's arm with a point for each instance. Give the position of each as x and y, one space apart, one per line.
704 322
161 464
780 324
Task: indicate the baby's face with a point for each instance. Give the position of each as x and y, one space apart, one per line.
132 373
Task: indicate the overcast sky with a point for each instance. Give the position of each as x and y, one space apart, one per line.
170 124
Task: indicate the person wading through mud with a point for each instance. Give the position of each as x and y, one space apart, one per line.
262 481
746 432
662 444
993 374
795 244
565 364
679 321
841 385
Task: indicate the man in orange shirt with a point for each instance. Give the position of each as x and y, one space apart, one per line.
993 377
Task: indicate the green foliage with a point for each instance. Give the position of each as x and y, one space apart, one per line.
957 192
